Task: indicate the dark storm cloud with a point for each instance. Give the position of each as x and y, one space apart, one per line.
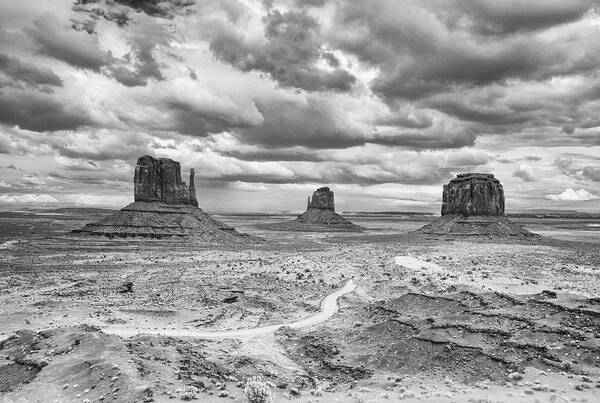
375 176
501 18
467 109
437 50
435 139
139 65
316 124
265 155
102 146
401 120
343 174
30 75
76 48
82 49
313 125
292 48
592 173
39 112
443 69
187 119
419 55
119 11
158 8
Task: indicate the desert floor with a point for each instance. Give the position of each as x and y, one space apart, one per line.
87 319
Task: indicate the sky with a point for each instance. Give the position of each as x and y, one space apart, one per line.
382 100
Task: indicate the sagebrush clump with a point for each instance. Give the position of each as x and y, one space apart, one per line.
258 391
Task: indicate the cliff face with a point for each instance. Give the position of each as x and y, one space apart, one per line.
473 205
322 199
473 194
159 180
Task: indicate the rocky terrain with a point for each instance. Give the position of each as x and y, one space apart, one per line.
96 319
373 315
473 205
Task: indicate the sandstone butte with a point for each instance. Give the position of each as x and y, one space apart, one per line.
320 214
164 206
473 204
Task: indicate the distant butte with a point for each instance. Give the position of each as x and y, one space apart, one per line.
164 206
473 204
320 215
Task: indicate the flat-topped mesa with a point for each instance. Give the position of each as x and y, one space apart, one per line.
473 194
473 205
322 199
159 180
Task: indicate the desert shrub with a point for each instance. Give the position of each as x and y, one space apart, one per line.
189 393
258 391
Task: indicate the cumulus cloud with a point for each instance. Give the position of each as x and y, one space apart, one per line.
54 39
525 172
573 195
290 52
15 71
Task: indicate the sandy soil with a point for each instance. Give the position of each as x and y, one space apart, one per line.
421 319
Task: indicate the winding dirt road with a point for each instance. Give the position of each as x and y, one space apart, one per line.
329 307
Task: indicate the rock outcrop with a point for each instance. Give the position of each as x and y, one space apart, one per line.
164 206
322 199
473 204
159 180
473 195
320 215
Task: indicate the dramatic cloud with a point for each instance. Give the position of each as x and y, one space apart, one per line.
39 111
383 100
15 71
499 18
290 53
55 39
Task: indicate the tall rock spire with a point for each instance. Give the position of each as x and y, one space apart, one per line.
193 200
